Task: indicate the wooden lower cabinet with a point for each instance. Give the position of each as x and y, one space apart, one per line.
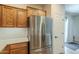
19 51
17 48
19 45
5 52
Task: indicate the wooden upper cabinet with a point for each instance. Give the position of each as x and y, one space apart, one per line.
21 18
36 12
32 11
8 16
41 13
17 17
29 11
13 17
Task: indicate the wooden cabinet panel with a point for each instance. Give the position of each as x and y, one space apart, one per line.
5 52
0 16
41 13
17 48
8 16
21 18
22 50
18 45
36 12
29 12
32 11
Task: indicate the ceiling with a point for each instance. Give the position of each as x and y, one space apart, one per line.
72 8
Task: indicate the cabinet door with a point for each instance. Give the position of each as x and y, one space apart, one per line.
8 16
21 18
36 12
0 16
32 11
18 45
29 11
41 13
19 51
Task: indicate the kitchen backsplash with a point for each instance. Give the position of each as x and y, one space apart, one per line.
13 33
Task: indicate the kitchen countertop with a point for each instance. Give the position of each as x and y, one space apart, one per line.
5 42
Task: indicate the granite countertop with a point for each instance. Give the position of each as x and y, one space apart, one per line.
5 42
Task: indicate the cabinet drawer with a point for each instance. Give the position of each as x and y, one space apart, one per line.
6 52
19 51
18 45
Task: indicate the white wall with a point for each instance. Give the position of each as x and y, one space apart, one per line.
12 33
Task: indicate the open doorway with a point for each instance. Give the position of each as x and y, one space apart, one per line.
72 29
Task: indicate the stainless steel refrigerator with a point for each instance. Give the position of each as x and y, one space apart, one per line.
40 35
